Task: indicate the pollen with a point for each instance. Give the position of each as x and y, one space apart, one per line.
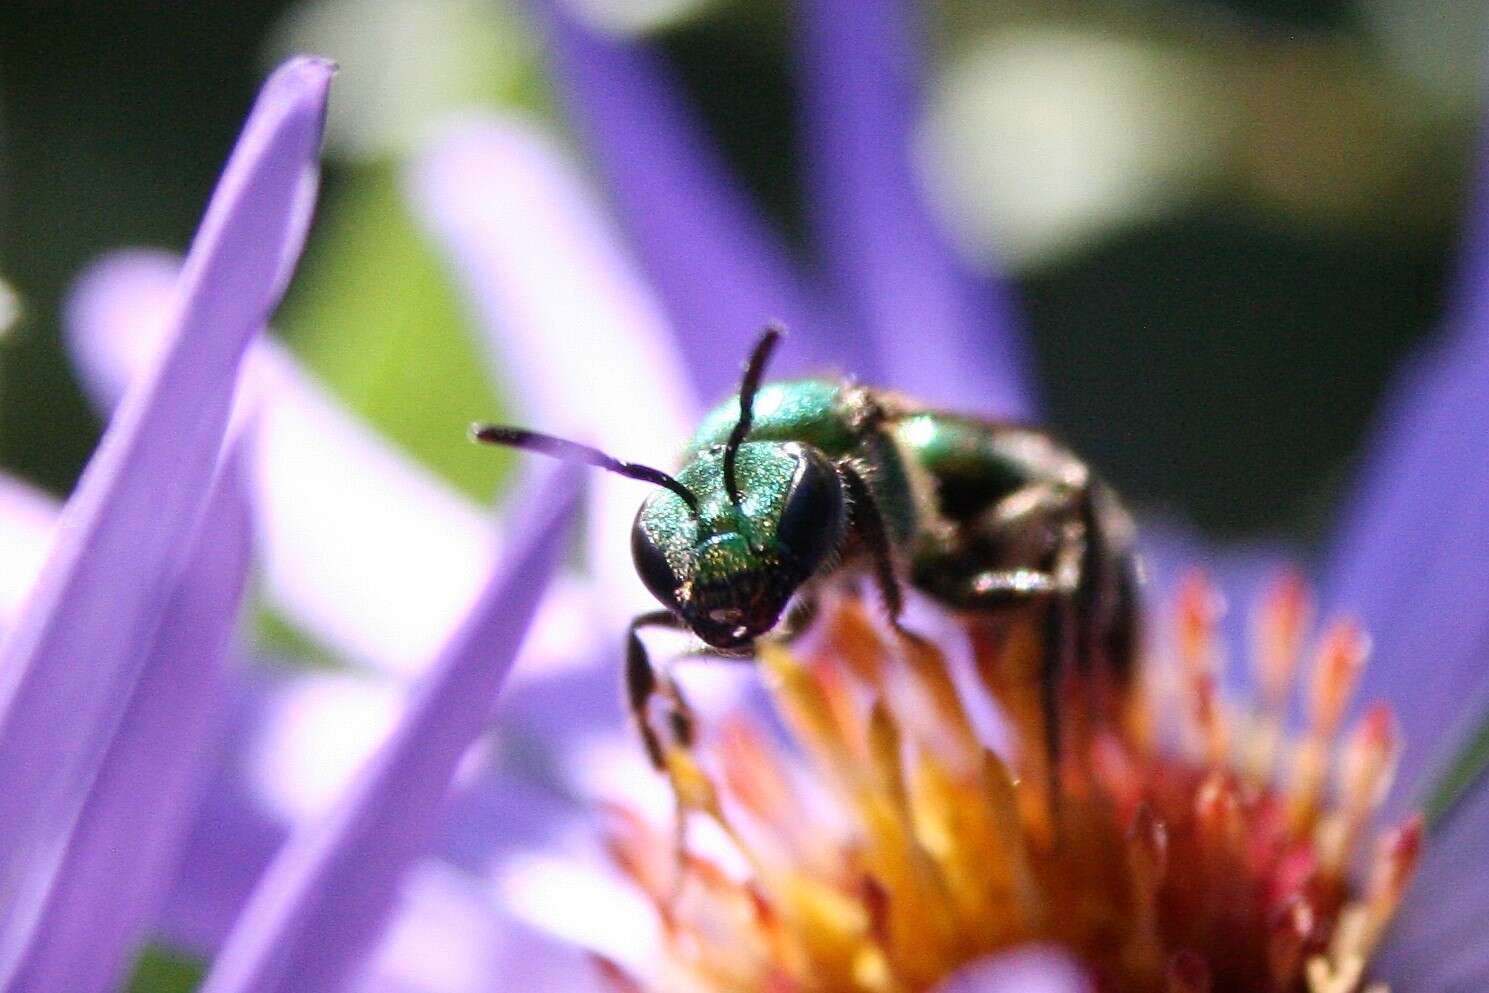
876 841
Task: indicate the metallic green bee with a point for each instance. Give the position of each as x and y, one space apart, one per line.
792 485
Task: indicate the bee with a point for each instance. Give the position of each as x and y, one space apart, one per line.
789 486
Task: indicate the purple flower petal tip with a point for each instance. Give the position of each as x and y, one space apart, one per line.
277 150
888 259
1034 969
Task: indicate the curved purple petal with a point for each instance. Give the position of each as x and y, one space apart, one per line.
1033 969
361 546
70 664
329 890
575 332
1436 940
942 334
123 849
298 737
1411 556
228 846
718 269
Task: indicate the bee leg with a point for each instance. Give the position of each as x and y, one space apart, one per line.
867 521
642 685
1062 624
1061 579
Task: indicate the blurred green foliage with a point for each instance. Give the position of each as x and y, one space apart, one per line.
160 970
375 316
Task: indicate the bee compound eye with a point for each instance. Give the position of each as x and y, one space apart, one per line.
812 520
652 566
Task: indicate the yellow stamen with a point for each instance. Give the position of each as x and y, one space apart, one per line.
887 845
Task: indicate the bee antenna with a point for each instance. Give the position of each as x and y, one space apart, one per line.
572 451
754 369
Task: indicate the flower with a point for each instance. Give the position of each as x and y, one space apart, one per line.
716 268
383 570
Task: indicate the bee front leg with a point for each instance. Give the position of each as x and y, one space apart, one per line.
642 684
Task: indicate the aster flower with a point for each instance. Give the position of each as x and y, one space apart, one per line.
547 276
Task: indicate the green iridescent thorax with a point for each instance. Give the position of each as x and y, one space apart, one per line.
810 411
826 415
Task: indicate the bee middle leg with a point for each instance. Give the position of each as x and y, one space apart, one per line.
1039 539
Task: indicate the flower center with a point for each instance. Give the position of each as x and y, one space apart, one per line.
1183 844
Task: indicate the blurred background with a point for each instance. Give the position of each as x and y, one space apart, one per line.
1227 222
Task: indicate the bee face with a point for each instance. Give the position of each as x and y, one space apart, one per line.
730 570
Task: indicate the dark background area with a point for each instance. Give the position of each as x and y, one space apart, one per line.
1222 362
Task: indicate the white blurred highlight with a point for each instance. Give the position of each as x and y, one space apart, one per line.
28 522
371 553
588 907
449 935
10 307
1039 138
318 731
403 63
577 336
441 938
631 17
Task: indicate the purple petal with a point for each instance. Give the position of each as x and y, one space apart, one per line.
1436 941
128 526
299 736
942 335
1409 557
123 849
1033 969
362 547
227 848
28 523
720 272
576 334
328 892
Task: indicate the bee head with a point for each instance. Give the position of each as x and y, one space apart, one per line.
730 569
